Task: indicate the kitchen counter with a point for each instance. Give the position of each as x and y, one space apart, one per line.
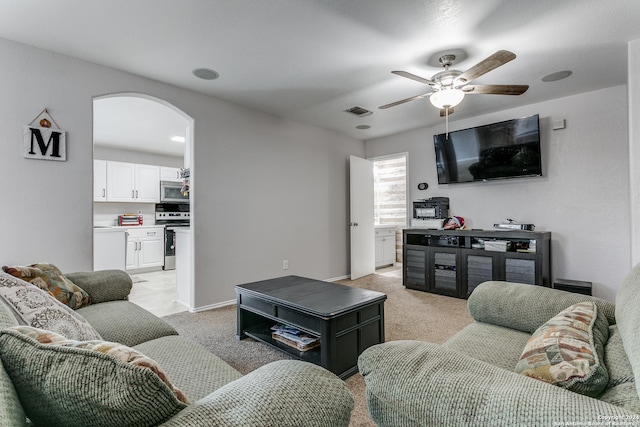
129 247
122 227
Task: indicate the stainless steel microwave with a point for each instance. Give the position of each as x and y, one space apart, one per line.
171 191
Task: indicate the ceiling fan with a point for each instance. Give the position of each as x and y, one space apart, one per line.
450 86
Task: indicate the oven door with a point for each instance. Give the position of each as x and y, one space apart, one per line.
172 192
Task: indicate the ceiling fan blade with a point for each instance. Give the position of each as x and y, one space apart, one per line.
495 89
499 58
444 113
413 77
402 101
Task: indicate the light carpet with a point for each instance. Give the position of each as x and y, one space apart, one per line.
408 315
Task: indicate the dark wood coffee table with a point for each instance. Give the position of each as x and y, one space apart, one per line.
346 319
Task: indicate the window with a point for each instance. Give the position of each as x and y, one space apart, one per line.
390 190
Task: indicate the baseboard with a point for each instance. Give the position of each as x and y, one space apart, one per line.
212 306
233 302
335 279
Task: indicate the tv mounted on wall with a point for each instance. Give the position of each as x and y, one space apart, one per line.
508 149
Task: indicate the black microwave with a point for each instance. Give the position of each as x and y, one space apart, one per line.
173 192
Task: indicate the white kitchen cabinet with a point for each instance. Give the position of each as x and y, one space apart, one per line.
145 247
170 174
99 181
130 182
147 178
385 246
108 248
120 182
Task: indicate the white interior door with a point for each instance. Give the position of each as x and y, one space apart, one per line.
361 218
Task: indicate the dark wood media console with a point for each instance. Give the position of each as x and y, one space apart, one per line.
454 262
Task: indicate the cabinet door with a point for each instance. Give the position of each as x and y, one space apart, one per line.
480 267
147 183
131 259
389 249
99 181
415 267
151 253
120 182
170 174
520 270
385 246
443 271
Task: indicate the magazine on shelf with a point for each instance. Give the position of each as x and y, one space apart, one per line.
294 337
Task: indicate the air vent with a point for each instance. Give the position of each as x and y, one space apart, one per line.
359 111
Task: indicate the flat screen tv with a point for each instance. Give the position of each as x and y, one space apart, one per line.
508 149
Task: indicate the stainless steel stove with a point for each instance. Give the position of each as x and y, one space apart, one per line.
172 216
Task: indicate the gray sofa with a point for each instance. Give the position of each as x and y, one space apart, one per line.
471 381
284 393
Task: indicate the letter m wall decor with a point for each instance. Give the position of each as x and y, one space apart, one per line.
42 141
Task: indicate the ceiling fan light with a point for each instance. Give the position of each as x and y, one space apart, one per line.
446 98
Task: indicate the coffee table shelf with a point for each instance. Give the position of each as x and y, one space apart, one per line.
346 319
263 334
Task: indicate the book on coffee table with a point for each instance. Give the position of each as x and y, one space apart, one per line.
294 337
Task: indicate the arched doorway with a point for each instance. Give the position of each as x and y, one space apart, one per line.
150 139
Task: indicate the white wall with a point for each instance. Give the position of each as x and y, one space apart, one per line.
634 146
264 188
583 197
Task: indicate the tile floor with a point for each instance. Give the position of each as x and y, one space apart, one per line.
156 291
392 271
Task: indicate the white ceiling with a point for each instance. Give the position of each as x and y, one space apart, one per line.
134 123
309 60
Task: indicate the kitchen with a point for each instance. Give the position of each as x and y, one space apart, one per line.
141 198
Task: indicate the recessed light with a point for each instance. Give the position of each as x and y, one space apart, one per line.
363 127
557 76
178 138
205 73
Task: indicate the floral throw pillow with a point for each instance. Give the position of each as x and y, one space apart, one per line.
568 350
49 278
34 307
80 383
